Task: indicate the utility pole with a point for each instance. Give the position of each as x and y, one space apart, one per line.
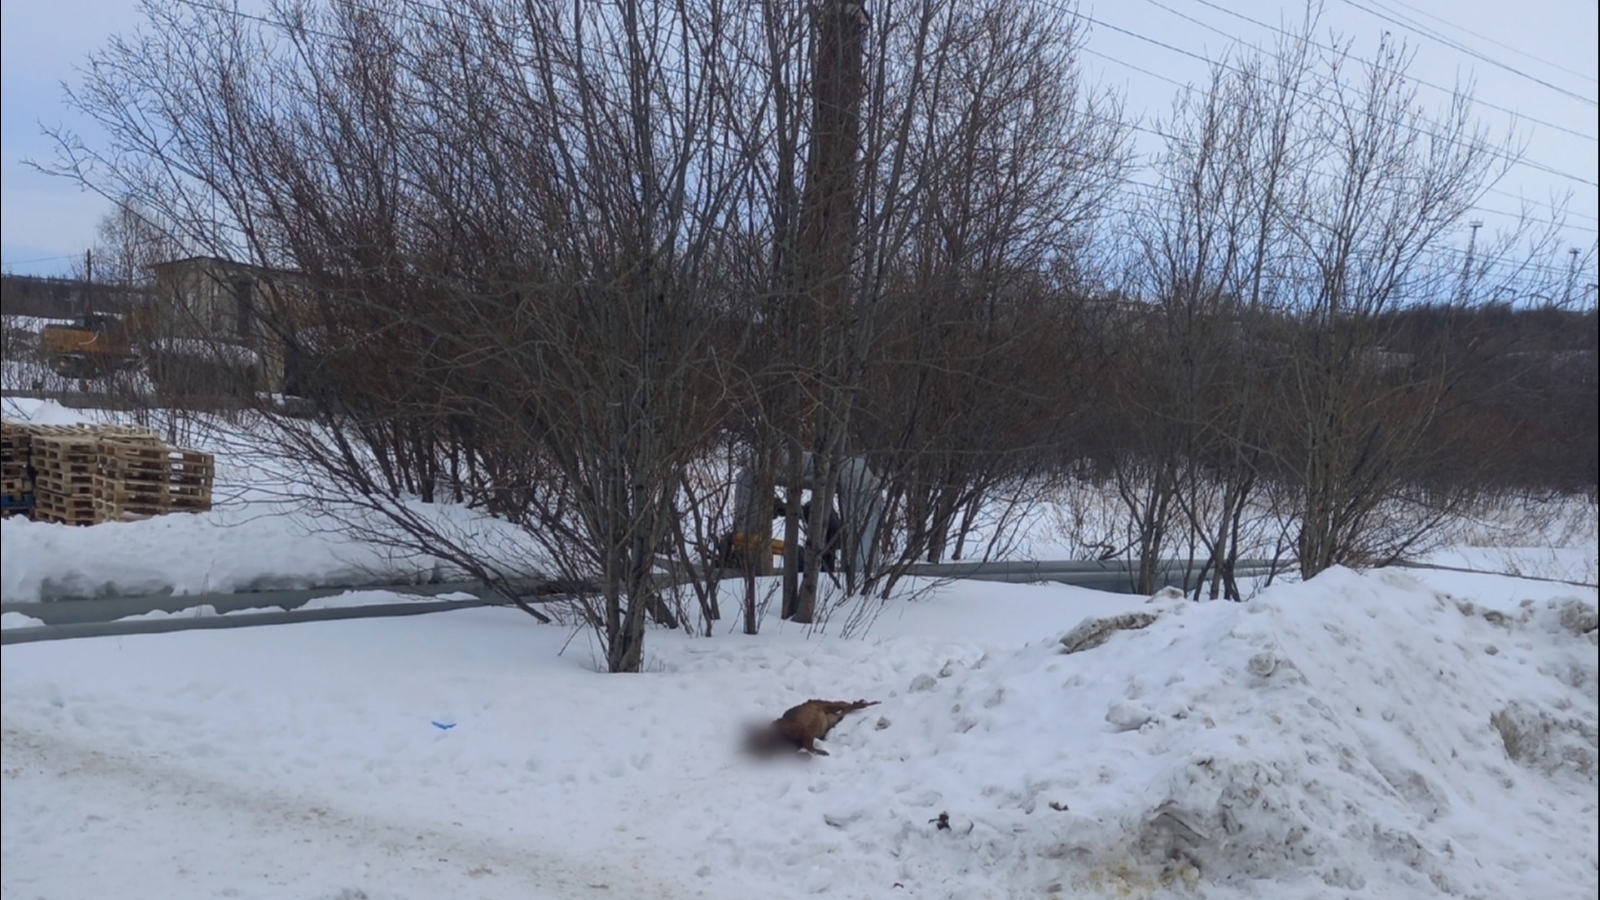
1572 276
828 203
826 250
1466 264
88 281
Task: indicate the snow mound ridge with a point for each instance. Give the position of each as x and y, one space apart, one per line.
1326 737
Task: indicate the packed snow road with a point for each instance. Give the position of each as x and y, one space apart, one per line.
102 822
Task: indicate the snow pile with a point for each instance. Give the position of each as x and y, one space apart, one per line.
12 620
346 600
1357 733
356 599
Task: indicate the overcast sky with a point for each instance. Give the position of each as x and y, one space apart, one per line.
1536 58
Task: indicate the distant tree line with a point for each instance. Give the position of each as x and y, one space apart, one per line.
576 265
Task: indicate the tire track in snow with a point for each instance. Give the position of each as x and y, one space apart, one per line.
138 826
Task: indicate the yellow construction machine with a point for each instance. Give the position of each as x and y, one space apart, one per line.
93 345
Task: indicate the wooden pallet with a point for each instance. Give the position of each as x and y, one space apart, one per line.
65 455
14 444
190 497
134 462
82 474
134 432
74 510
16 483
74 486
191 480
15 488
19 438
154 494
127 510
156 476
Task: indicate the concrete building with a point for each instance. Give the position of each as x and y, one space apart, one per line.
220 315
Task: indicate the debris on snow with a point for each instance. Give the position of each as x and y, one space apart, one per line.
1093 632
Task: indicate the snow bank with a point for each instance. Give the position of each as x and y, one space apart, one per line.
259 536
354 599
203 611
1356 736
346 600
227 549
12 620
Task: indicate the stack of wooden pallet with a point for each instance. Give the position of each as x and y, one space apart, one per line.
63 458
137 479
16 484
130 480
190 475
66 470
86 474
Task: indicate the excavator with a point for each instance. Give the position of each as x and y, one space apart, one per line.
94 344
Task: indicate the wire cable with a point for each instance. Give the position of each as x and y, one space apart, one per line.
1321 46
1476 55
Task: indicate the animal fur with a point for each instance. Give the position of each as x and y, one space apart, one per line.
800 727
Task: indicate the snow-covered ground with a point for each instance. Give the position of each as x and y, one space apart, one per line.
1352 736
258 536
1381 735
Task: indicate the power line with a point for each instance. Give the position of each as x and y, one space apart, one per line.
450 13
1492 190
28 262
682 71
1151 190
1484 37
1544 204
1473 53
1321 46
1497 153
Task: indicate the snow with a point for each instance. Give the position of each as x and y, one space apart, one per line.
1357 735
231 353
234 547
203 611
33 323
354 599
46 412
346 600
255 538
12 620
1397 733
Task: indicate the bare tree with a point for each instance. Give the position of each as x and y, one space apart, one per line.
1016 161
1211 239
1303 204
503 221
1370 229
